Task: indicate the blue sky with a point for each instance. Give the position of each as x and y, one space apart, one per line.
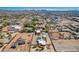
41 8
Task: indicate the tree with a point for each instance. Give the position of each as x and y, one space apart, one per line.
34 19
77 29
1 44
5 23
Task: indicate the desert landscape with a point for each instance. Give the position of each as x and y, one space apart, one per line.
39 31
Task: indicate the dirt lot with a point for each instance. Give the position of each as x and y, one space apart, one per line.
66 45
25 47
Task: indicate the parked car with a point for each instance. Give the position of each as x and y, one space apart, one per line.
13 45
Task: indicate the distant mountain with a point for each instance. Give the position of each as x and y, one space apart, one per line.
43 9
40 8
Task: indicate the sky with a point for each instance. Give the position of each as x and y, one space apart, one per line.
41 8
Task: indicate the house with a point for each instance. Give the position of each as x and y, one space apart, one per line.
20 41
40 41
15 28
38 31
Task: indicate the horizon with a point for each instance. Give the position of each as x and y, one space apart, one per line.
40 8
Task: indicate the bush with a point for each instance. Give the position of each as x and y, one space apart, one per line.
1 44
34 19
